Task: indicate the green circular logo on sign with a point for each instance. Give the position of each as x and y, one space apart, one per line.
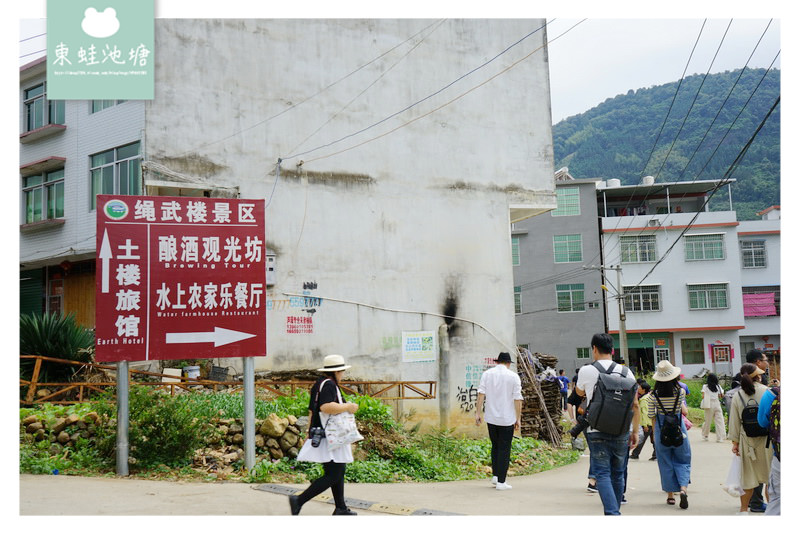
116 209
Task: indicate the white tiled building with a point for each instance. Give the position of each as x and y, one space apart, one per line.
681 274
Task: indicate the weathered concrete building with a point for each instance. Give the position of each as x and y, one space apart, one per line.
392 154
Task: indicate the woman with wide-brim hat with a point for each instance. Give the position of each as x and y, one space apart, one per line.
756 457
674 463
326 400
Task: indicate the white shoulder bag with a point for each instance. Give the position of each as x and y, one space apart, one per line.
340 429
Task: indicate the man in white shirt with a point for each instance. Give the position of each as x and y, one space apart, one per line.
609 453
501 390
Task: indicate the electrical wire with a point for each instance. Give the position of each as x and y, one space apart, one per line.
432 111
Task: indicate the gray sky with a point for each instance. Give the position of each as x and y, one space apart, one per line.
602 58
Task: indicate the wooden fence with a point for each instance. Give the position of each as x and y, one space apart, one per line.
81 391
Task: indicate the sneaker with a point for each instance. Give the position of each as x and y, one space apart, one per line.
503 486
624 501
591 488
653 458
634 457
760 509
494 480
346 511
705 438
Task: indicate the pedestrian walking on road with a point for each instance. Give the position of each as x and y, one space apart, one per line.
564 382
326 400
645 396
747 443
673 452
500 391
769 417
712 407
608 449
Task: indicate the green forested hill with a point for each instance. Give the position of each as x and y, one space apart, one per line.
617 139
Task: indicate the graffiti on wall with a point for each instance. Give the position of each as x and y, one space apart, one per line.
467 398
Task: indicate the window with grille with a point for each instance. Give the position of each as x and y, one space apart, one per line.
518 299
567 248
642 298
754 254
638 249
692 351
708 296
570 297
39 111
568 200
515 251
116 171
43 196
99 105
584 353
704 247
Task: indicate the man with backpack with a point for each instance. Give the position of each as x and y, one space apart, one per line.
613 419
769 416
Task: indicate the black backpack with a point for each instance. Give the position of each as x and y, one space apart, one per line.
750 419
671 432
610 410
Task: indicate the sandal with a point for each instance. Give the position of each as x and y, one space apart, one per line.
670 501
684 500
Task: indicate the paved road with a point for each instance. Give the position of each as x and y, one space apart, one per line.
556 492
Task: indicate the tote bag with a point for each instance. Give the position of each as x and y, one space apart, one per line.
340 430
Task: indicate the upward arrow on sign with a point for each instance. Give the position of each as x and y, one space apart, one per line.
105 256
220 337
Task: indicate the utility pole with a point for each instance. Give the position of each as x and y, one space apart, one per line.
623 333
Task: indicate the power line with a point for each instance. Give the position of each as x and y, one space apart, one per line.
432 111
419 101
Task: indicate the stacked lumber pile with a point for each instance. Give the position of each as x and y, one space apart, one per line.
534 420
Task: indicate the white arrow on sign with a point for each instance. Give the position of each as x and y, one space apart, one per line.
105 257
220 337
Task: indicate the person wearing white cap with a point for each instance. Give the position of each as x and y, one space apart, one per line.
674 462
326 400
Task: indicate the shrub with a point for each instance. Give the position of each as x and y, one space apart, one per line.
161 430
53 335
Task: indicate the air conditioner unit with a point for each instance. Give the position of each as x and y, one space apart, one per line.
654 223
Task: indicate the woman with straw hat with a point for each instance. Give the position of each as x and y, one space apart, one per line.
326 400
674 462
753 451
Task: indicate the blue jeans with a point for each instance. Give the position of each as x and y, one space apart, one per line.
674 464
608 454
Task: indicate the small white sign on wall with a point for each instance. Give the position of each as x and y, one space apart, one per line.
420 346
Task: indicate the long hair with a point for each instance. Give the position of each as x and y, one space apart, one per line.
667 389
747 382
713 382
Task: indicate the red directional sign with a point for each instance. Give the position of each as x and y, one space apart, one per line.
179 278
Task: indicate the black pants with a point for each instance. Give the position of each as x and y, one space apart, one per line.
648 433
333 479
501 449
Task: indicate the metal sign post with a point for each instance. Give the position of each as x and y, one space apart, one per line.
122 418
249 413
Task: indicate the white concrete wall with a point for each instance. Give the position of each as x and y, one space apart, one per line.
416 219
768 230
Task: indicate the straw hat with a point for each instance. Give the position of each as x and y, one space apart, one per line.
666 372
333 363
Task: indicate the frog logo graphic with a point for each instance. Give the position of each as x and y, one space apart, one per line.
100 25
116 209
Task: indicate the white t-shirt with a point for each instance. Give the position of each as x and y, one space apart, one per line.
588 375
501 387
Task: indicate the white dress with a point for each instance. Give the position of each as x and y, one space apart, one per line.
321 454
